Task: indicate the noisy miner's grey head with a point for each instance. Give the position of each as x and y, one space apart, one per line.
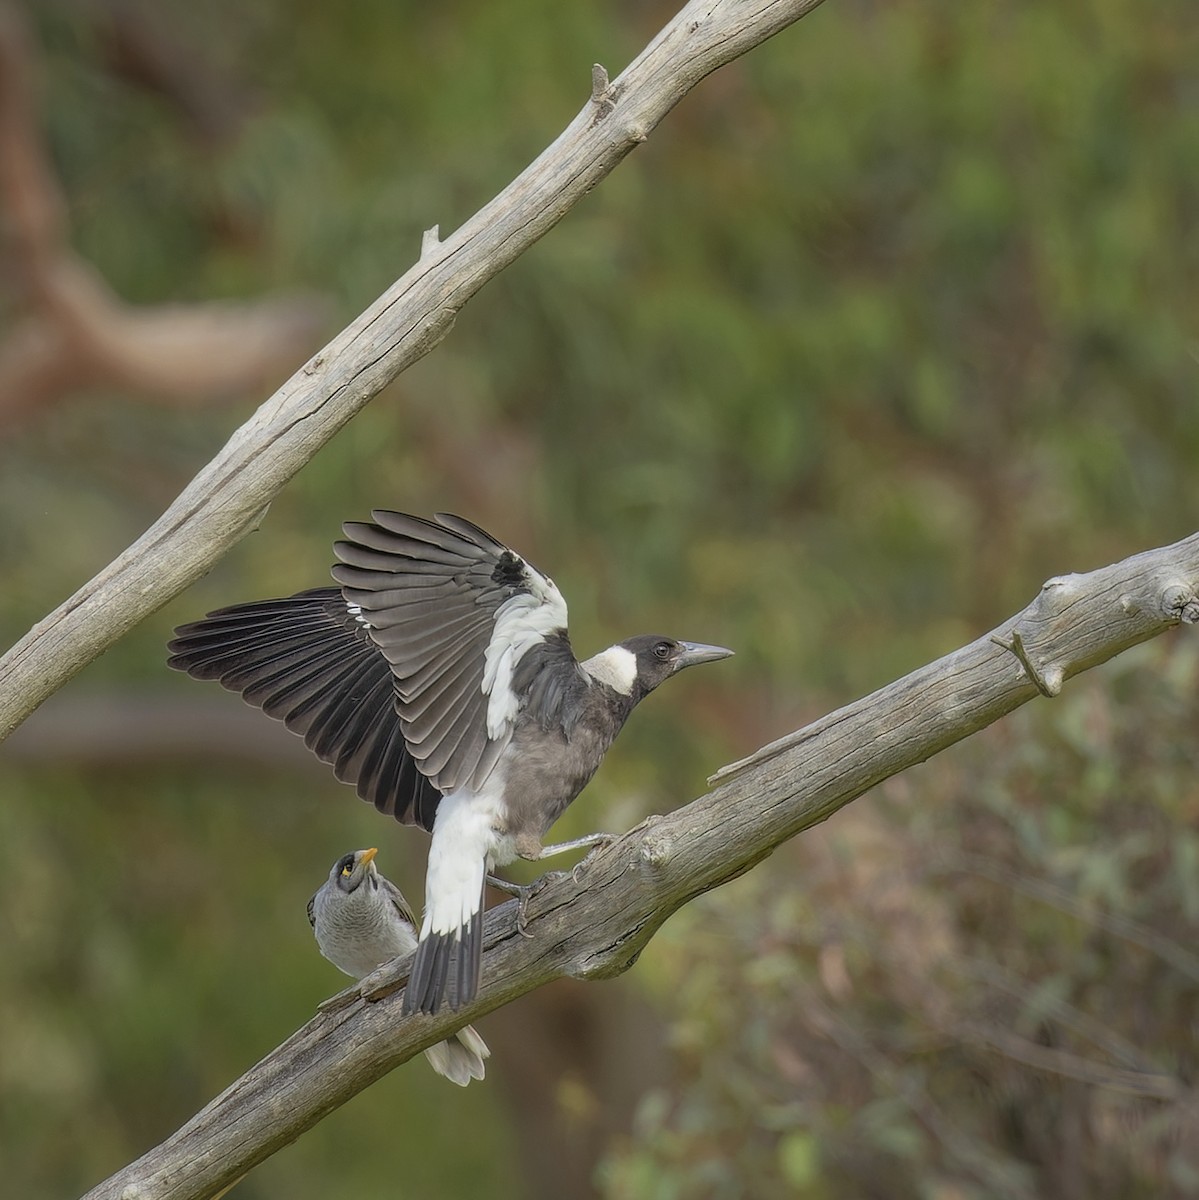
351 871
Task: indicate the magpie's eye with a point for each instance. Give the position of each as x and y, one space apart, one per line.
662 650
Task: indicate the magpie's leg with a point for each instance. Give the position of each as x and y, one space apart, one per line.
534 853
592 840
506 885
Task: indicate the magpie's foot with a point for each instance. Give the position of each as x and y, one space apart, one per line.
521 917
524 892
505 885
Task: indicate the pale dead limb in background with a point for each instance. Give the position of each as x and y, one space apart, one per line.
75 332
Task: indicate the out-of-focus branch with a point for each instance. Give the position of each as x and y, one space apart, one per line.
1179 957
123 728
31 199
75 332
1153 1084
143 46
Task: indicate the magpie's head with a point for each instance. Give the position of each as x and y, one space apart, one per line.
351 871
655 658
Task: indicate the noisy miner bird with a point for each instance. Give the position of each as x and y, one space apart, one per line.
361 921
440 680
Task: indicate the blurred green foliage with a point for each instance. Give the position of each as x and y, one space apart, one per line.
887 322
859 1019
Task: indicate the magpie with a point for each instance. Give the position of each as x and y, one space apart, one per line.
439 679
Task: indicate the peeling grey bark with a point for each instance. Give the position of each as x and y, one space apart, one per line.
592 924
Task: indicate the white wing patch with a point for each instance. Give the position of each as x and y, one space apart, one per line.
521 622
355 611
616 666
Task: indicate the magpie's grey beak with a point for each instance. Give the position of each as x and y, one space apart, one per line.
696 652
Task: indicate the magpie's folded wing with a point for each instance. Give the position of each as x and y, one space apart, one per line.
454 611
308 662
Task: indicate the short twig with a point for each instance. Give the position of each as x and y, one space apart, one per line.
603 94
1049 684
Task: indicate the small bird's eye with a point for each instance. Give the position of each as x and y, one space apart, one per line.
347 869
662 650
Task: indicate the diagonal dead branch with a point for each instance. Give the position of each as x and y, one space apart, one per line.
1154 1085
593 923
219 505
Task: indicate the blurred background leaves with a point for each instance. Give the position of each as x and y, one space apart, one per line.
887 322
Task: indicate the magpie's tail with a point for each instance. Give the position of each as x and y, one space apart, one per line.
446 967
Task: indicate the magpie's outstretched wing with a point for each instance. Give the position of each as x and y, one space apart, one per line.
454 612
307 661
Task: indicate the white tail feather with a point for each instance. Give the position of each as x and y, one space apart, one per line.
464 843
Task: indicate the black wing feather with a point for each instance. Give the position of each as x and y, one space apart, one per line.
306 661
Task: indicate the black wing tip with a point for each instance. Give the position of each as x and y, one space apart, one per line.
464 527
238 646
212 630
194 658
409 802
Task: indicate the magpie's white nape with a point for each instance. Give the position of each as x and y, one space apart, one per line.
439 679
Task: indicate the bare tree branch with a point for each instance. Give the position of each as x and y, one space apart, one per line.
227 498
593 924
